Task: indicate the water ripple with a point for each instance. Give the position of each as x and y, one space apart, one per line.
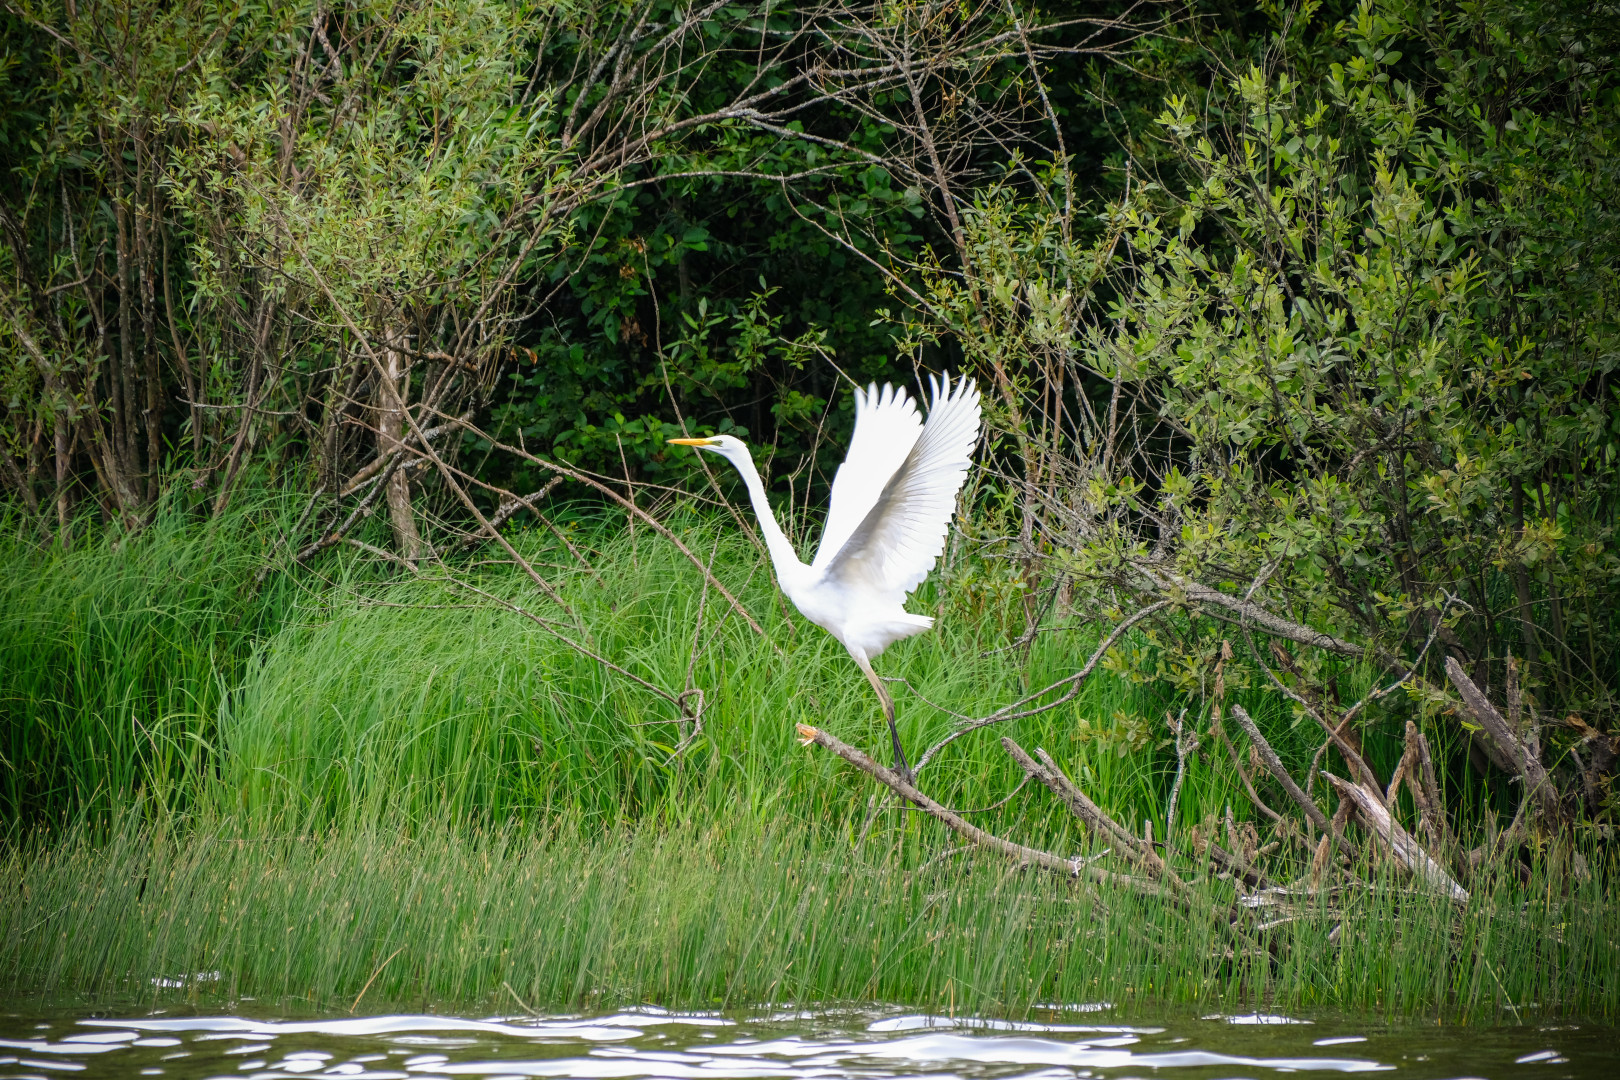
797 1044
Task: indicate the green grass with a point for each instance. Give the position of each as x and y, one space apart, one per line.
292 781
114 655
740 914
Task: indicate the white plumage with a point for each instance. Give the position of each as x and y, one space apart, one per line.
891 507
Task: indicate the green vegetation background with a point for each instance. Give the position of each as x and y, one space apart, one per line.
337 784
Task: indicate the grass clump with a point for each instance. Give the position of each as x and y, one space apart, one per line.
115 654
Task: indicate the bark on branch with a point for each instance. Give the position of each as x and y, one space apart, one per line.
1381 824
1073 868
1507 748
1275 766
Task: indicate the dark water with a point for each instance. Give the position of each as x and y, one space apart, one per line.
1088 1041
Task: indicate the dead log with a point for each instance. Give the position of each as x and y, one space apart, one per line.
1383 825
1506 746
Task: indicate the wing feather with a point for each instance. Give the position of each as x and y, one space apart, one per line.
887 426
894 547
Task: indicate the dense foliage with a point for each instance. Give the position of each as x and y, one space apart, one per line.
1345 357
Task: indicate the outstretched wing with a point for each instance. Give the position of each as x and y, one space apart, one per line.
886 428
895 545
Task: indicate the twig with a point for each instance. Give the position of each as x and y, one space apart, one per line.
373 979
1048 773
1017 709
1535 779
1243 775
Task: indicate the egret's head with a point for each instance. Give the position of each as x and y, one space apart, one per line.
733 449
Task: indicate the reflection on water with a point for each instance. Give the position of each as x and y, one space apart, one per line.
1078 1042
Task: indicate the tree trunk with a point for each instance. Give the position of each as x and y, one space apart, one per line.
391 392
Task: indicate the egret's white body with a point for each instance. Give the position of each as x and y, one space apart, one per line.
891 507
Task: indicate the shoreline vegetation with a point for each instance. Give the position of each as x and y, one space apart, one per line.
385 796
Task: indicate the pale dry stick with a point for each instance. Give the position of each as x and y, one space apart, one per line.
1275 766
510 508
373 979
1045 860
1375 694
1426 792
521 1003
1234 865
1017 711
1251 612
1091 815
1049 773
1402 773
1335 732
381 461
1532 775
1383 825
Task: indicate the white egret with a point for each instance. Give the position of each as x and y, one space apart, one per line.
892 501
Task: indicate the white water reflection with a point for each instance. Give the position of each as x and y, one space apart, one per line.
789 1043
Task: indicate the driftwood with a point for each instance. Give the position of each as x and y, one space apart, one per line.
1381 824
1504 746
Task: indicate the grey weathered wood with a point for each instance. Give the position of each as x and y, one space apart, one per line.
1274 765
1007 848
1538 785
1381 824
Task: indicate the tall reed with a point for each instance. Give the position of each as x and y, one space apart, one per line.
738 912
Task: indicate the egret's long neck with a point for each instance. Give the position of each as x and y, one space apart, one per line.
783 557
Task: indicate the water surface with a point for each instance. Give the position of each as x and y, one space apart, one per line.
1078 1042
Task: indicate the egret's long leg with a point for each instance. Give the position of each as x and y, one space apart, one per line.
901 766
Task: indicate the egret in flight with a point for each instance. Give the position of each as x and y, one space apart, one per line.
892 501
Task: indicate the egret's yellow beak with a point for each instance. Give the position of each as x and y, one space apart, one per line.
692 442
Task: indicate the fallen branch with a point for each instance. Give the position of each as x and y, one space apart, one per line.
1045 860
1275 766
1047 772
1517 756
1381 824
